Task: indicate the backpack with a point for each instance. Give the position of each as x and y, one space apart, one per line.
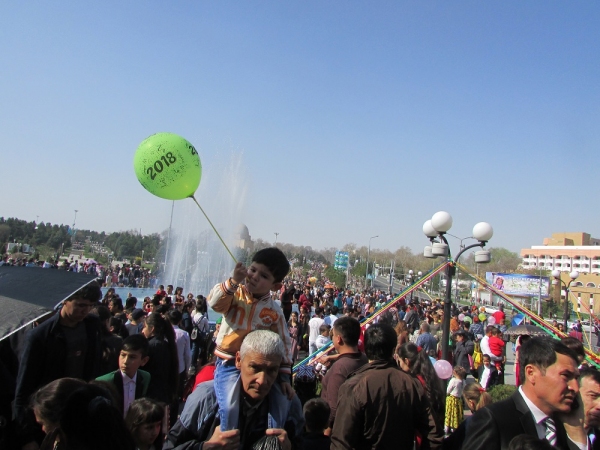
198 334
305 383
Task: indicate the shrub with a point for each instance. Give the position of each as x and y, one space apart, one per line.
501 392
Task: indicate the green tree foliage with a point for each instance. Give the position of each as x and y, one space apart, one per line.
358 270
129 245
336 276
503 260
21 231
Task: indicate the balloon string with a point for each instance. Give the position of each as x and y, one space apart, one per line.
213 227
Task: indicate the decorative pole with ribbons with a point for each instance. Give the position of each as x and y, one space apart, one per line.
313 357
554 332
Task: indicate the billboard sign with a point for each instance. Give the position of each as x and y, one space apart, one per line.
341 260
519 284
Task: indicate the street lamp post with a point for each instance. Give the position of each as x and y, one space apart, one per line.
557 280
368 254
437 227
411 278
276 234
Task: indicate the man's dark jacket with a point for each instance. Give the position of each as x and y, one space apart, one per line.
44 359
493 427
381 407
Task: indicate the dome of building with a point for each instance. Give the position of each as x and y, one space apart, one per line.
243 232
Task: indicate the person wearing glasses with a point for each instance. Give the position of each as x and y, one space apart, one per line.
66 345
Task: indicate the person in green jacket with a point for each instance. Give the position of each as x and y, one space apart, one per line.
129 381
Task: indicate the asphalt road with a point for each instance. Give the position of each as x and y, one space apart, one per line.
383 283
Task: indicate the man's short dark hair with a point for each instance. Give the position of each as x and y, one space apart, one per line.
334 310
589 372
102 312
90 291
274 260
380 342
349 328
130 303
541 352
574 344
136 343
174 316
318 310
118 302
316 414
162 309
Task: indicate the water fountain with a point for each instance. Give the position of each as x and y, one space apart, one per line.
196 260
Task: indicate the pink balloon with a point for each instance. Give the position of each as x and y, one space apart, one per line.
461 317
491 320
443 369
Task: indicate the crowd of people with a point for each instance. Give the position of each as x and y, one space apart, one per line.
105 373
118 275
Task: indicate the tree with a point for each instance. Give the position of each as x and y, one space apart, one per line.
4 233
503 260
336 276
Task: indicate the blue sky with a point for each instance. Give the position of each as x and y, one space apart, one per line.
351 119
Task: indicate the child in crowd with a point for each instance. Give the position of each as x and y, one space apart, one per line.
136 321
245 308
454 402
497 347
129 381
316 415
145 420
323 338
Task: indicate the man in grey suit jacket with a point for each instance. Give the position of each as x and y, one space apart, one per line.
549 386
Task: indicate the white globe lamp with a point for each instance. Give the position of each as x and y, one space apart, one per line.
441 221
483 231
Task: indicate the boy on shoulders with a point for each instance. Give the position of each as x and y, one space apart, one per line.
246 305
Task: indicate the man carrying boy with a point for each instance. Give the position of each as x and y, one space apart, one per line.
247 307
260 414
131 382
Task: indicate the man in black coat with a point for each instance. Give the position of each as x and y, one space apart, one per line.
67 345
549 387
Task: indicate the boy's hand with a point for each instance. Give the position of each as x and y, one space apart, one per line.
287 390
227 440
239 273
282 437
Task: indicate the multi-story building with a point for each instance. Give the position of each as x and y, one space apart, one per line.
565 252
569 252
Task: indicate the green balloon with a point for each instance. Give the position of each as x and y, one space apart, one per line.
168 166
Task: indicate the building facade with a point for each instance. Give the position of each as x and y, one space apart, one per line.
565 252
570 252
